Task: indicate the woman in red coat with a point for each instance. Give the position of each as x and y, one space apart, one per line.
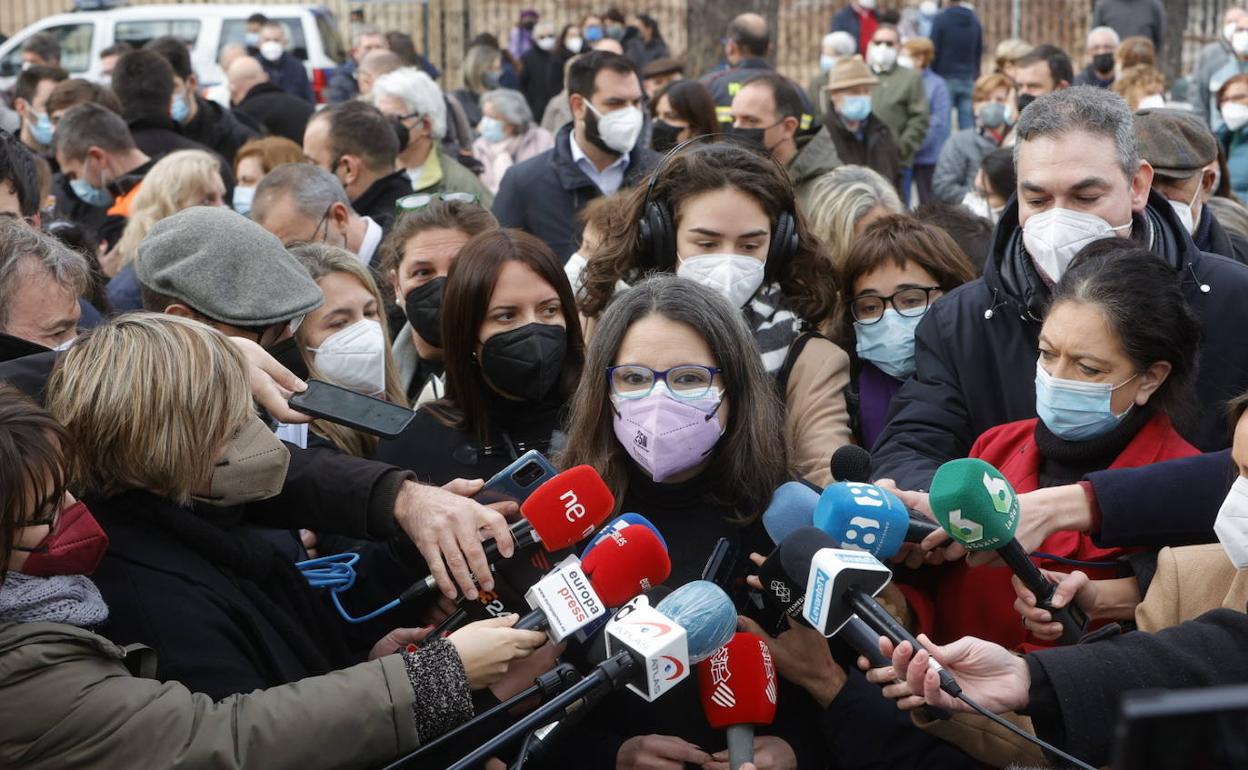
1117 356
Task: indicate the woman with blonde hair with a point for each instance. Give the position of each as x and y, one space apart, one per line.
345 341
178 181
1143 86
483 67
843 202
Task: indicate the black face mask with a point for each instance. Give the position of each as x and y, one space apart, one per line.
287 354
423 308
591 133
1103 62
750 137
528 24
525 362
1022 101
663 136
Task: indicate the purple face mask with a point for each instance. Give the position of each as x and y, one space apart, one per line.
665 435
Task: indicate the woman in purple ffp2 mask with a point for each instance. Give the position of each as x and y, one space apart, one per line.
679 416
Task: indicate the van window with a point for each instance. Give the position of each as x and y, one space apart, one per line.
139 33
234 31
75 49
329 36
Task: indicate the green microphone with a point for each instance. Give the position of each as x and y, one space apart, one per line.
977 506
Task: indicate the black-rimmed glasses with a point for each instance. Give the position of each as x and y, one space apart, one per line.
910 303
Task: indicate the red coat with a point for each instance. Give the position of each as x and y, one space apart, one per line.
980 601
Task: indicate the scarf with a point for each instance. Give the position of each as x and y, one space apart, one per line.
70 599
773 325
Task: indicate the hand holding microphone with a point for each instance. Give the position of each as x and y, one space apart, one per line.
488 647
978 507
989 674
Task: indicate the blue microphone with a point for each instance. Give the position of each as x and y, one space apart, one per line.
618 523
791 507
869 518
706 613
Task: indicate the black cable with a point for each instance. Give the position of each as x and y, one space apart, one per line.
1023 733
1076 562
525 747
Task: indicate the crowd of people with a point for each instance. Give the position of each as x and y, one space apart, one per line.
701 285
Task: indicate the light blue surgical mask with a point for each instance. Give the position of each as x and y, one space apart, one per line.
856 108
889 343
41 131
593 33
1075 410
242 199
826 62
492 130
180 109
89 193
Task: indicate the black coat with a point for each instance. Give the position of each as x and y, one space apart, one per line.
976 350
289 74
541 79
157 136
218 129
377 202
1210 236
1075 691
544 194
877 150
277 111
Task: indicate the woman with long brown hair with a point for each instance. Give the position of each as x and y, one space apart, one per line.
724 216
513 352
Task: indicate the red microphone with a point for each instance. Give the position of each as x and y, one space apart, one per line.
577 593
561 511
738 687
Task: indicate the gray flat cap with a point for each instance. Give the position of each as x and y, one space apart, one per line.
1175 142
225 266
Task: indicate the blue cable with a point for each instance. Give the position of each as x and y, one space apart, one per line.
337 573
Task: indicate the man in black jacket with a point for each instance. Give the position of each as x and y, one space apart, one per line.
356 143
544 194
274 110
1079 178
202 121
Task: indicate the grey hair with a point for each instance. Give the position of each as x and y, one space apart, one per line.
89 125
1082 108
419 94
841 197
309 187
841 42
19 244
1110 30
365 30
511 105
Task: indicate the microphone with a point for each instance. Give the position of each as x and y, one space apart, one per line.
563 510
738 689
790 508
978 507
851 462
869 518
618 523
649 651
576 592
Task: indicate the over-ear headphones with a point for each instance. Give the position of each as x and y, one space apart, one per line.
656 232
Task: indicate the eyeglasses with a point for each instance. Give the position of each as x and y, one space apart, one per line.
322 223
691 381
909 303
46 520
417 201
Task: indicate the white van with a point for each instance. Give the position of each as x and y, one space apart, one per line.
206 28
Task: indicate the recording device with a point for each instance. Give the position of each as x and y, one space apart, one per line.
738 688
1196 729
851 462
354 410
560 512
517 481
649 651
978 507
791 507
576 593
618 523
868 518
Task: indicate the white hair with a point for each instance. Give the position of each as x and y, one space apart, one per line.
841 42
1109 30
511 106
418 93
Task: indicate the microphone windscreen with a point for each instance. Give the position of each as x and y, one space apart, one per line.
566 508
705 612
974 503
864 517
626 563
782 593
596 643
618 523
798 550
851 463
738 683
791 506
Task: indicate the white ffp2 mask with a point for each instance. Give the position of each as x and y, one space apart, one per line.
354 357
1054 237
1231 526
734 277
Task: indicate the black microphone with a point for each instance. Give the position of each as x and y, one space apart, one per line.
851 463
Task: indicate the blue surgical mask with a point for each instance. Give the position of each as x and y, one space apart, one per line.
993 115
856 108
593 33
1075 410
492 130
89 193
242 199
826 62
41 131
180 109
889 343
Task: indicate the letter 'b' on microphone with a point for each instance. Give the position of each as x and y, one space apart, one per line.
567 508
738 688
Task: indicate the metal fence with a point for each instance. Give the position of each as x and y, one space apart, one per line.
442 28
